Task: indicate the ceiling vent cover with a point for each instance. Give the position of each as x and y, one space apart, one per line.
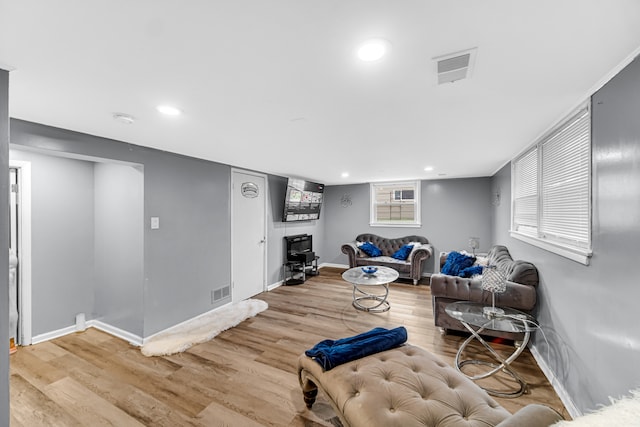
455 66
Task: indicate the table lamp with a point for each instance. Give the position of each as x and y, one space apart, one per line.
494 281
474 243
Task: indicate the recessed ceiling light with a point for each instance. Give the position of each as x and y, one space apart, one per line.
428 168
345 174
373 49
123 118
169 110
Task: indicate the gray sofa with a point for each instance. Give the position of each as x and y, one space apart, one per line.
522 281
409 269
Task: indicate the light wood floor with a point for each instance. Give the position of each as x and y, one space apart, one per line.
246 376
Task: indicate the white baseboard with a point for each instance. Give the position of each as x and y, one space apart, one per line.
47 336
112 330
145 340
274 285
117 332
559 389
329 264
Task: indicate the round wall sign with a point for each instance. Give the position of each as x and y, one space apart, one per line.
249 190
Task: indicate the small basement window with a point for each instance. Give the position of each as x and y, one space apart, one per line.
395 204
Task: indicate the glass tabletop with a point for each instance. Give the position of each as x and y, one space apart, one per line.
382 276
472 313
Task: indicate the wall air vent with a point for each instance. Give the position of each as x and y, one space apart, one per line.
455 66
220 293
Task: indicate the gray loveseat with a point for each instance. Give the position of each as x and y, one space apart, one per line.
522 281
409 269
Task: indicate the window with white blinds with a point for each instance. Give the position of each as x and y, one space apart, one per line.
551 190
525 197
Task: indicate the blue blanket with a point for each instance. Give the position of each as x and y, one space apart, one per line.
457 262
330 353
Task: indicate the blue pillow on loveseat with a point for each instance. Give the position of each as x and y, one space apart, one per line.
403 253
456 262
370 249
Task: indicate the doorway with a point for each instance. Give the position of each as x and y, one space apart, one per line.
248 234
20 248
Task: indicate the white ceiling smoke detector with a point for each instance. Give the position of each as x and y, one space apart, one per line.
455 66
124 118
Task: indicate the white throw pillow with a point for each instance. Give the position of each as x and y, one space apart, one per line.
482 261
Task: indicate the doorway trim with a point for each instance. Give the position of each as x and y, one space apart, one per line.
266 216
24 245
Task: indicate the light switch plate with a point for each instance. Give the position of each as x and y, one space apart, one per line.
155 222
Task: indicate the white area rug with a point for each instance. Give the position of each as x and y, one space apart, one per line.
203 328
623 412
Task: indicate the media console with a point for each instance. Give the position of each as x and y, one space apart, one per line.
300 260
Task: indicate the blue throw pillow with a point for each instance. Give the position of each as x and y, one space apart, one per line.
471 271
456 262
402 253
370 249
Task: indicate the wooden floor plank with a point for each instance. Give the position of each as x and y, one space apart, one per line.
141 406
31 407
87 407
217 415
245 376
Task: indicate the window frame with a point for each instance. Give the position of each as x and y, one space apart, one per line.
578 249
401 198
373 220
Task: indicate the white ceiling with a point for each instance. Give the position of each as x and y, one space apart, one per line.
274 85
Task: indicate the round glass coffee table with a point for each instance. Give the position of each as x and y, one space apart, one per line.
471 315
364 296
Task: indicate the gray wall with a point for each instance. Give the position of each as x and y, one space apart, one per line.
589 313
189 255
452 211
183 260
62 221
4 255
119 246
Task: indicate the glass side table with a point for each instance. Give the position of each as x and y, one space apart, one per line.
471 315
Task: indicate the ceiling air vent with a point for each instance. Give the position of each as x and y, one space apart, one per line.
455 66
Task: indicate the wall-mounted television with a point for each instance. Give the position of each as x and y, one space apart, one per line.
303 200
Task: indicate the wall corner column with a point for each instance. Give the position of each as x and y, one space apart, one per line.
4 254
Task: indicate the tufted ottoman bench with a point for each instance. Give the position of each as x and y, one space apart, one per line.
408 386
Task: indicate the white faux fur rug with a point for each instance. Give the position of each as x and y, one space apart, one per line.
203 328
623 412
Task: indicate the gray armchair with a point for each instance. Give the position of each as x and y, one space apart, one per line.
522 281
